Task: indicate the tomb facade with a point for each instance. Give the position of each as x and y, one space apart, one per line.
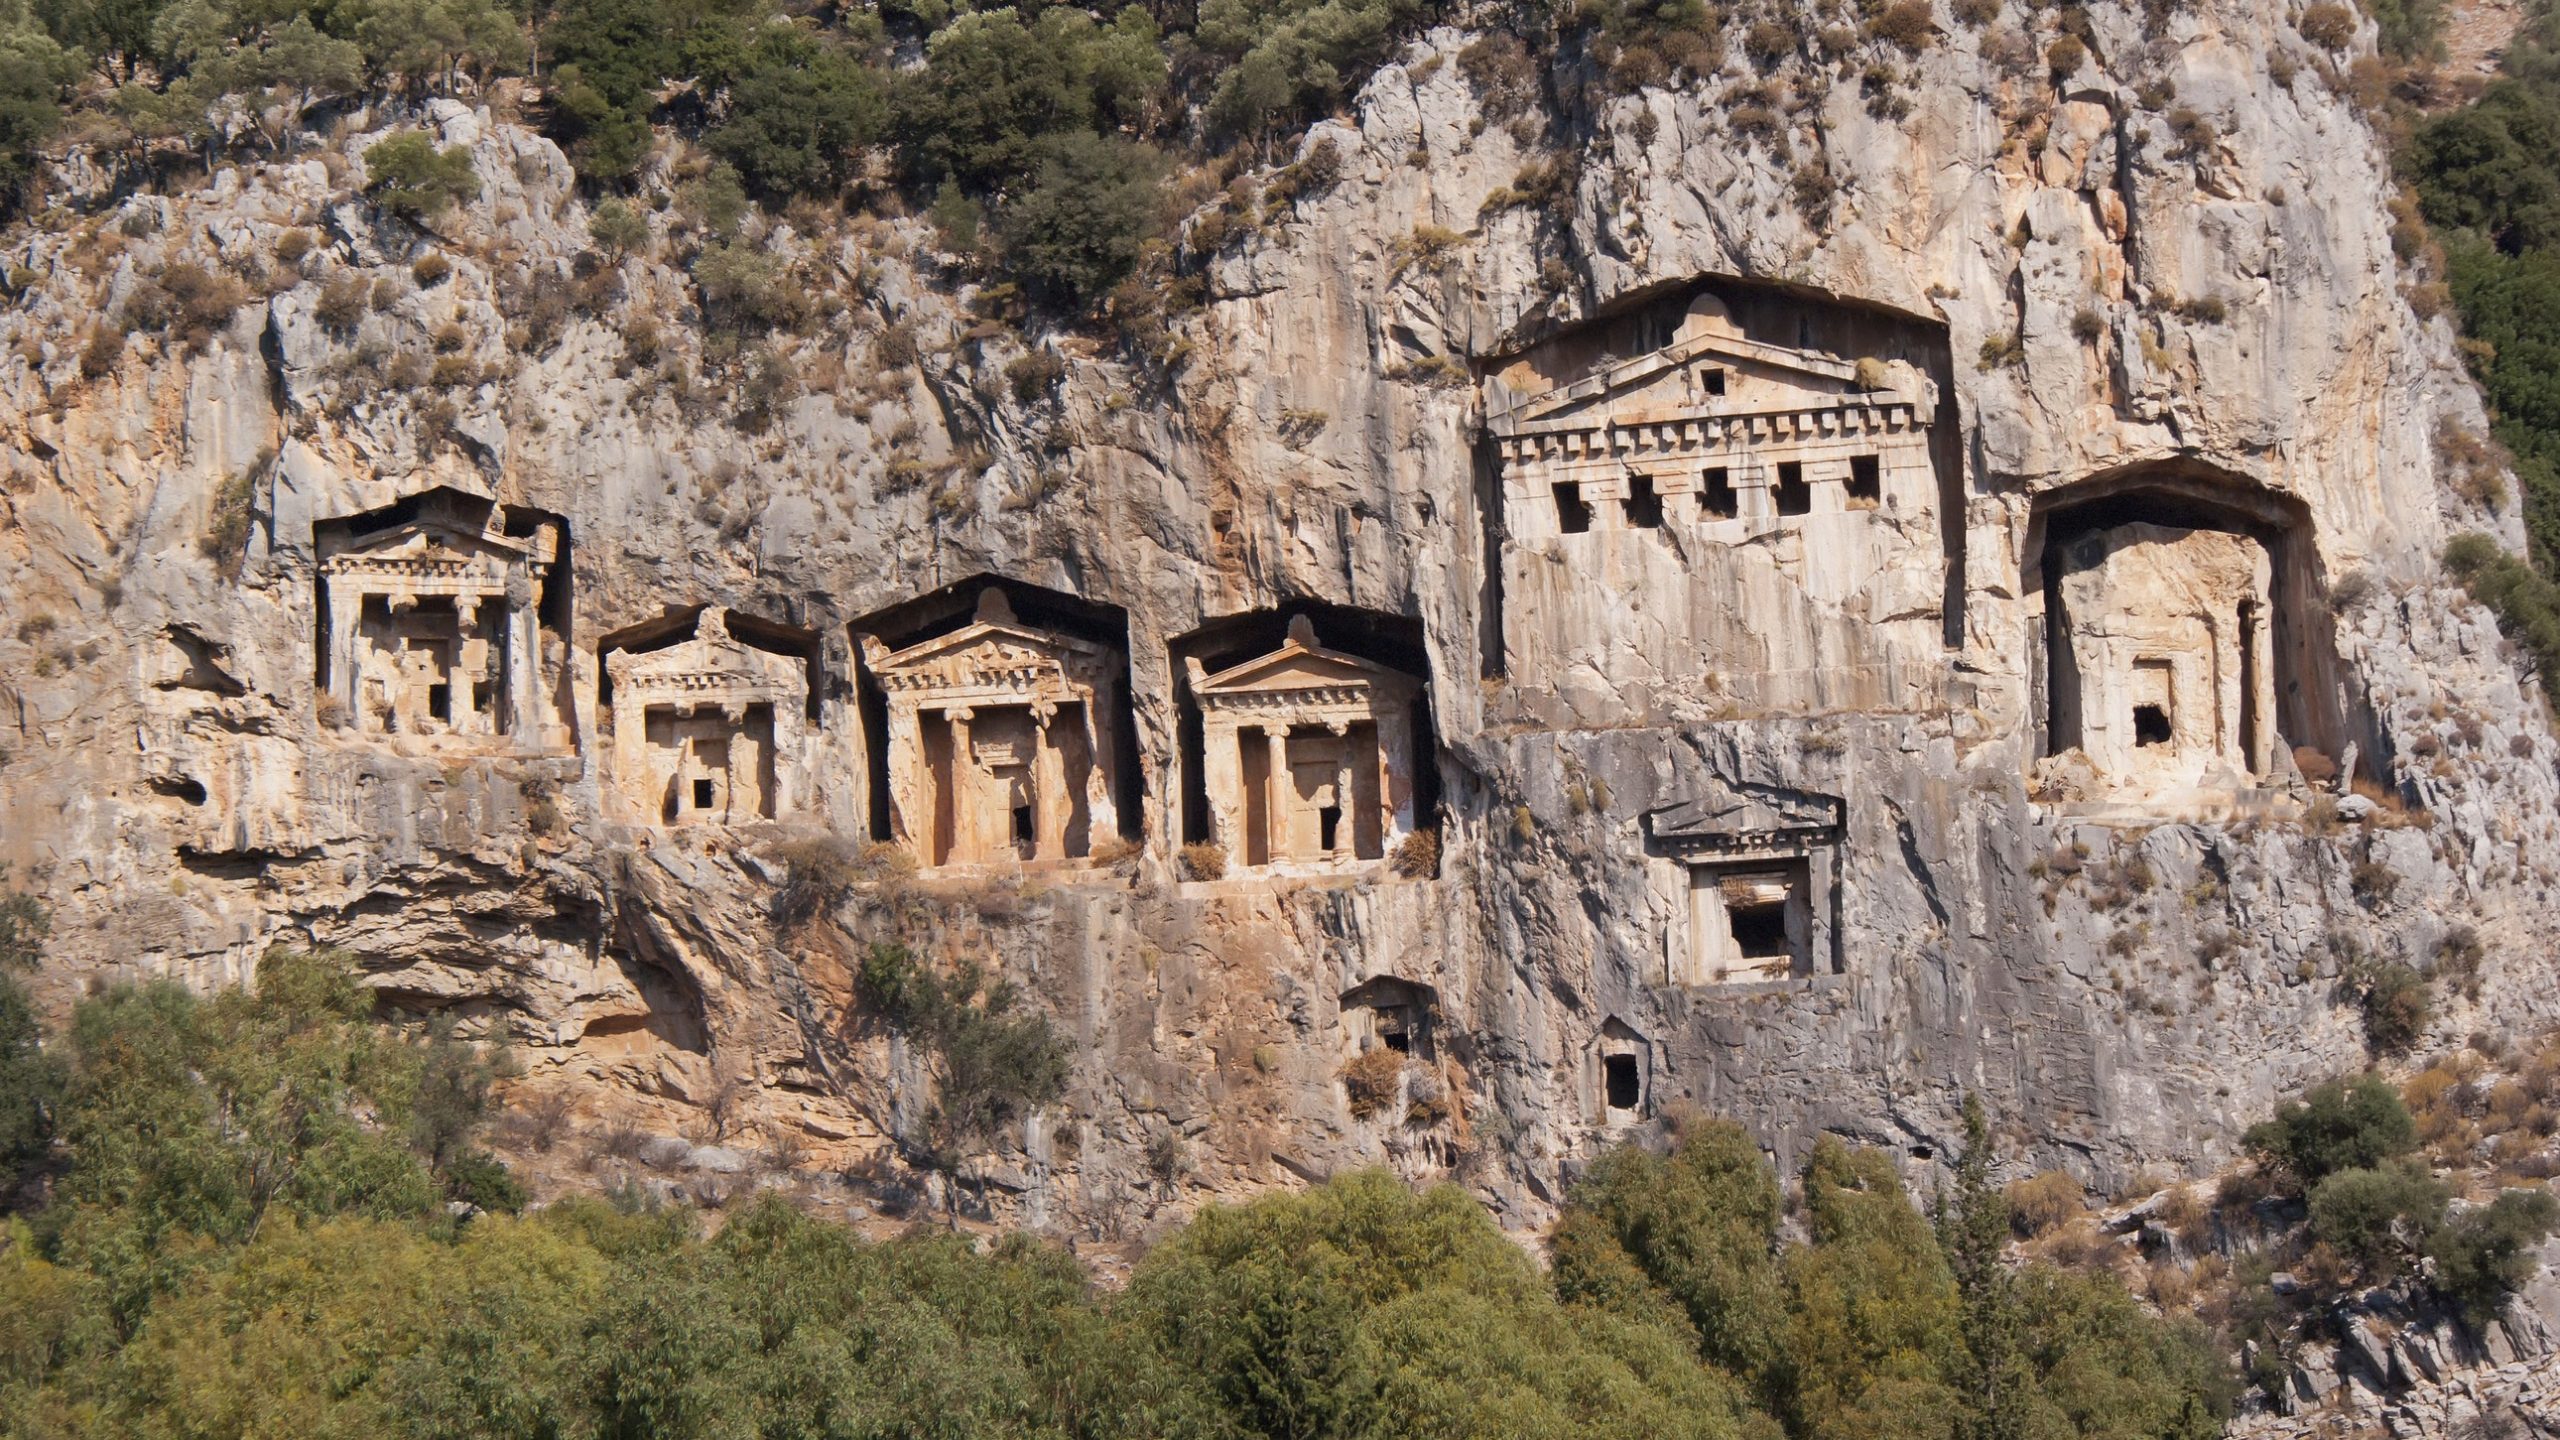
1713 432
1308 756
1001 746
1758 868
1622 1078
434 632
1389 1014
706 731
2162 659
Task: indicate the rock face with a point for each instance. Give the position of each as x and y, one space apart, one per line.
1731 552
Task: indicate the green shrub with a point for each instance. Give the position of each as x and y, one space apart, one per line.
2486 1254
2337 1125
409 177
800 113
226 528
2378 1216
1075 231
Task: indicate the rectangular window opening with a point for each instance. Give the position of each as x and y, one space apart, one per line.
1760 931
1625 1088
1022 834
1711 381
1644 504
1396 1040
440 702
2150 725
1573 514
1715 494
1328 827
480 697
1866 482
706 793
1794 497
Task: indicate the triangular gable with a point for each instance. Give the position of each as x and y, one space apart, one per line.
1300 663
985 635
1820 371
434 541
711 653
1726 817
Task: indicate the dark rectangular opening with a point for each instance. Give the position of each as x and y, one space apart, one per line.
1397 1040
1329 827
440 702
1760 931
706 793
1866 480
1618 1074
1794 497
1715 494
1022 834
1711 381
1644 504
2150 725
1573 514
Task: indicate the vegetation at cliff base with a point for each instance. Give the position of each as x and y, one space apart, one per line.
256 1227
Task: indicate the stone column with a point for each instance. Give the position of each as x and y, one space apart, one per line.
2259 635
630 745
910 806
967 844
1048 777
1395 771
346 612
1346 795
1222 781
1277 791
524 673
1102 808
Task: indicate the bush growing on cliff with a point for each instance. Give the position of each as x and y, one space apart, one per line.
409 177
2336 1125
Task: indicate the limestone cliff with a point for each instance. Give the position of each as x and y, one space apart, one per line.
1760 804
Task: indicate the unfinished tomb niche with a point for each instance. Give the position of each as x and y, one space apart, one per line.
1759 873
709 720
1310 759
1390 1014
1712 423
441 621
1002 740
2168 640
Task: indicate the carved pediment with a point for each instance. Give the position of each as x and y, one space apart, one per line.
1301 668
1677 381
710 666
1725 817
449 532
994 653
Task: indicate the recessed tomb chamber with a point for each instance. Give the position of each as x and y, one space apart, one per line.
1308 757
709 727
434 616
2173 655
1759 871
1003 739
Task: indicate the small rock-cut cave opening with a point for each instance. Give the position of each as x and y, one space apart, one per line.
1624 1083
2150 725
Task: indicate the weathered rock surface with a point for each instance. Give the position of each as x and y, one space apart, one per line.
2127 986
